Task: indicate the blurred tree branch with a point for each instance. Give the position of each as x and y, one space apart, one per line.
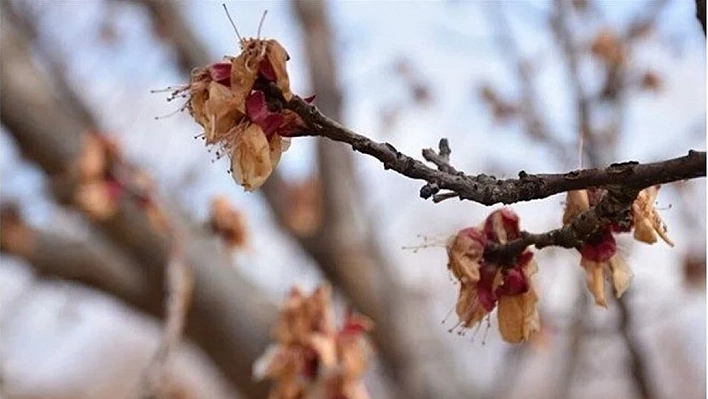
701 14
230 318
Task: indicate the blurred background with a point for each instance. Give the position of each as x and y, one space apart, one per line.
513 86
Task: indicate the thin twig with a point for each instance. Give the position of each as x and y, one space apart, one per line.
179 283
488 190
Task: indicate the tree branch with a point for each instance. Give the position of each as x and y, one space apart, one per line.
488 190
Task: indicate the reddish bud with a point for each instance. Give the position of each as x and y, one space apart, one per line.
514 283
259 114
600 248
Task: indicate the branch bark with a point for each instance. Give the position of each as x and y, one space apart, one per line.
488 190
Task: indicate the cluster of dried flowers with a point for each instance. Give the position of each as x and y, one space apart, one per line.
104 179
227 99
312 358
228 223
599 254
485 285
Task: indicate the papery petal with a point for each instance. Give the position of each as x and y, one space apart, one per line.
621 275
326 348
518 317
251 162
353 353
576 202
595 276
518 314
272 363
222 113
468 308
244 72
647 222
464 251
277 57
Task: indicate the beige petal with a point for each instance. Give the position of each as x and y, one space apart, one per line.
464 254
647 222
244 72
326 348
595 275
621 275
518 316
576 201
354 352
251 159
222 112
94 198
277 147
468 308
198 95
278 57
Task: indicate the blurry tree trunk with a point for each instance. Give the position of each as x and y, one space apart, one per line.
230 318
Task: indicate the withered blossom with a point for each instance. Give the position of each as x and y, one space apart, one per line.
312 357
227 222
485 285
227 100
599 255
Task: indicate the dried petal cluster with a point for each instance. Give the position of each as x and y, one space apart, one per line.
228 101
104 179
227 222
485 285
599 255
312 358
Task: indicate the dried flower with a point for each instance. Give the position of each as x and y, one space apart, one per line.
647 223
227 222
599 253
225 100
483 284
312 358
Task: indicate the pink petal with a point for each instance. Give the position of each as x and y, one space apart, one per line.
265 69
221 73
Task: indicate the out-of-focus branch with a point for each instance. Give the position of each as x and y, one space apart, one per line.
534 124
344 245
230 318
701 14
96 264
167 20
637 361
